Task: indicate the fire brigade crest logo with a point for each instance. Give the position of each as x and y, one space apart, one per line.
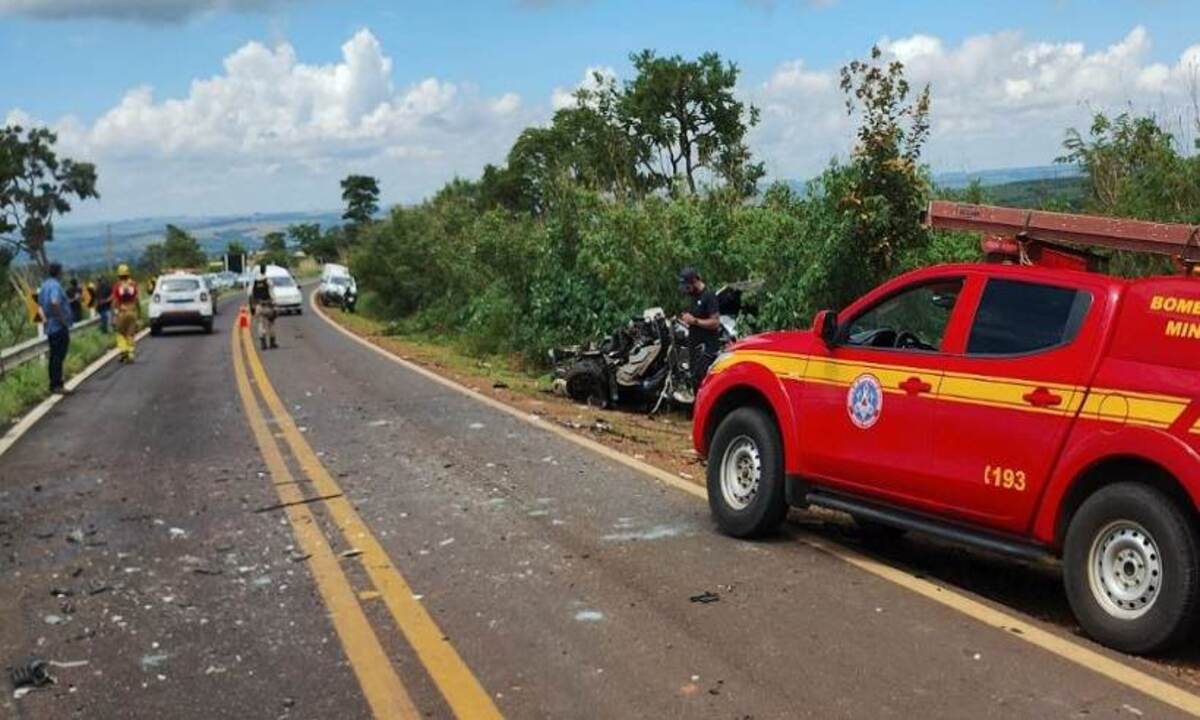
864 401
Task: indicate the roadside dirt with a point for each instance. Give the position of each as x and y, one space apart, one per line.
665 442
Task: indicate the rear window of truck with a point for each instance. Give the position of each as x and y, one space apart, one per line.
1017 317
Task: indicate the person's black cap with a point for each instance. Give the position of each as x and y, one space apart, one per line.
687 276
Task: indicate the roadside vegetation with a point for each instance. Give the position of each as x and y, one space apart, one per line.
26 386
589 217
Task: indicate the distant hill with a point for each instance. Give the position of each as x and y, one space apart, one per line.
86 245
1066 194
958 180
1004 176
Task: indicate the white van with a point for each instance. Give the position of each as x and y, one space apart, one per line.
285 292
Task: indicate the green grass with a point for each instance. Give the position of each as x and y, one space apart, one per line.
26 386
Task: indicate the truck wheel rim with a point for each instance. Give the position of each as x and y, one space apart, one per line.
1125 570
741 471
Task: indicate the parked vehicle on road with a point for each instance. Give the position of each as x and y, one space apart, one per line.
180 299
1032 411
337 288
285 292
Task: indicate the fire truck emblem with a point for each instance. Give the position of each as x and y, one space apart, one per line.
864 401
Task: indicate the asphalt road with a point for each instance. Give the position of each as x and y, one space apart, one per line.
555 581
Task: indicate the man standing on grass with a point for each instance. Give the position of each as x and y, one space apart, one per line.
56 309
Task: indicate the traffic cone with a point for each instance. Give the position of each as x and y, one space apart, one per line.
243 318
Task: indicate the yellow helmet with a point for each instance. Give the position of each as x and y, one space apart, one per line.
122 270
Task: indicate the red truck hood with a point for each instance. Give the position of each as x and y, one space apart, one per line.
789 341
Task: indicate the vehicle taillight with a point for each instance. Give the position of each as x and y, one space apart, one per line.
157 298
203 297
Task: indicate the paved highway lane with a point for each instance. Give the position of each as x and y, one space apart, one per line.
142 488
496 567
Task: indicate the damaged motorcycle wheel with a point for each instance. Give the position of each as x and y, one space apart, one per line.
586 384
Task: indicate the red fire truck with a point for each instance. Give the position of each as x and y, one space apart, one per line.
1029 405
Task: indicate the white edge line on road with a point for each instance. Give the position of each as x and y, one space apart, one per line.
1061 646
31 418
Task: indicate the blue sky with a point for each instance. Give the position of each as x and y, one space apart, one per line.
61 65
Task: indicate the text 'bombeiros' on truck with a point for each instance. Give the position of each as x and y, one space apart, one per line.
1030 405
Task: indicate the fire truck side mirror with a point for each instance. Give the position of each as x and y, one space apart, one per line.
825 327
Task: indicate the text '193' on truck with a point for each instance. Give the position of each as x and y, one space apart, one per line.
1029 405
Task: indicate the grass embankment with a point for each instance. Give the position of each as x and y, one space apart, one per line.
26 386
663 440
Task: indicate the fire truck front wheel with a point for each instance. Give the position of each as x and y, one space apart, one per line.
1132 570
745 474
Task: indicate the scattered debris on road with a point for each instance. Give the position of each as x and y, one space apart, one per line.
705 597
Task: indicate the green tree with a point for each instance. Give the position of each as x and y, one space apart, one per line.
1133 167
321 247
360 193
35 186
153 259
686 114
235 247
180 250
275 251
862 219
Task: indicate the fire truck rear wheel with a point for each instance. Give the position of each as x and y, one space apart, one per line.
1132 569
745 474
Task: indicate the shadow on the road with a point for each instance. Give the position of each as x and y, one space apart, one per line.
185 332
1033 589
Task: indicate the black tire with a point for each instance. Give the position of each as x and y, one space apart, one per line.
1171 616
767 508
155 330
208 327
585 383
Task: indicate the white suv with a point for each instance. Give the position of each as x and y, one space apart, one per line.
180 299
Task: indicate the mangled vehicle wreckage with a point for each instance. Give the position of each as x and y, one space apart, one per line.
644 364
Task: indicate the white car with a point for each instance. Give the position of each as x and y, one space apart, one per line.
337 286
180 298
285 293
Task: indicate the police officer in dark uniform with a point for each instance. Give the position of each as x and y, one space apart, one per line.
704 323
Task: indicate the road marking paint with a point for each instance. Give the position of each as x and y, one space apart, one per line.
376 675
1067 649
461 689
26 423
1064 648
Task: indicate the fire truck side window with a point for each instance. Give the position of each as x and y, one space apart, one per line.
1016 317
913 319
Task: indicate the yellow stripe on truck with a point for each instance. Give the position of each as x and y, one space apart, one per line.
1105 404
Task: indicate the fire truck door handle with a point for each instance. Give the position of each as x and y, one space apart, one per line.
915 386
1042 397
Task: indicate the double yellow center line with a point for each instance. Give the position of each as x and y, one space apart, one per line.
381 685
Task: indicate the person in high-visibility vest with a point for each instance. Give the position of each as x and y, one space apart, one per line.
125 301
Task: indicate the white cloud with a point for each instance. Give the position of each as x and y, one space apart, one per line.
998 99
152 11
269 120
565 97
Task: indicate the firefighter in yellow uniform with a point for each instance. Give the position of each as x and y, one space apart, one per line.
128 309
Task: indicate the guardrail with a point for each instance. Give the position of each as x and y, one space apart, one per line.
14 357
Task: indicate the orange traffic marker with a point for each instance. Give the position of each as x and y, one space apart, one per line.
243 318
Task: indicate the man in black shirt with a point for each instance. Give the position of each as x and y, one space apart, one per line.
704 322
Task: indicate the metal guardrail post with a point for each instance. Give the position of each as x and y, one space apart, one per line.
17 355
